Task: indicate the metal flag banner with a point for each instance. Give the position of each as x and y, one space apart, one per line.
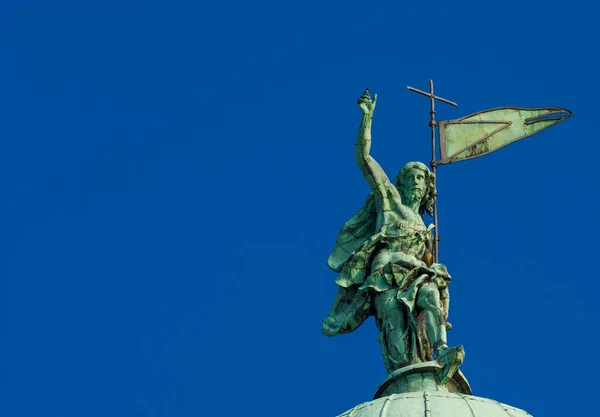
489 130
481 133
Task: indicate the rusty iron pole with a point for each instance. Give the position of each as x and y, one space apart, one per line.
433 163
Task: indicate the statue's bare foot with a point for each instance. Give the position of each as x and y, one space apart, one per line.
450 359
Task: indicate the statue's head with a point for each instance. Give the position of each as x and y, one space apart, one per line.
416 182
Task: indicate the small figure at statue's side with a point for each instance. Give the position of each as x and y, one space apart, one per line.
384 257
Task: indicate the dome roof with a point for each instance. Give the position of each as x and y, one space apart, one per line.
433 404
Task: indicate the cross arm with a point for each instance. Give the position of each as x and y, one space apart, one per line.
443 100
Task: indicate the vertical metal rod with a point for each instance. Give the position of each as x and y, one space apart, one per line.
432 124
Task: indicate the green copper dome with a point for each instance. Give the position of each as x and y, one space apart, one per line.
433 404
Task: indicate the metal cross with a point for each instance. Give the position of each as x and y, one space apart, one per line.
432 124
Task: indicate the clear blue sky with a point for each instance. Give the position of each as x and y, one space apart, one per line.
174 175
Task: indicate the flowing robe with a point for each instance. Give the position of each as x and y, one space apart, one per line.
378 226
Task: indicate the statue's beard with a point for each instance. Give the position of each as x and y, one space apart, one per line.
413 195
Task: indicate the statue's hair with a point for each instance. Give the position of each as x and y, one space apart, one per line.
430 191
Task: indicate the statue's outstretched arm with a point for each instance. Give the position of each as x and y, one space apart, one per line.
369 167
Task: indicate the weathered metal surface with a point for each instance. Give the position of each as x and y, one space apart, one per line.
421 377
433 404
381 257
489 130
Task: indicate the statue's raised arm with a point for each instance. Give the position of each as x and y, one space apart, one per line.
371 170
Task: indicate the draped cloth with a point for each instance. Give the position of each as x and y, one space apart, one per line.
357 243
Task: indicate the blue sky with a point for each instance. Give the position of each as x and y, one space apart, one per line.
174 175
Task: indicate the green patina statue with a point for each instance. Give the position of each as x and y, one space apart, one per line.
383 255
387 258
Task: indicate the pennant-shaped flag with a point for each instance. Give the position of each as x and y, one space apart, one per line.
486 131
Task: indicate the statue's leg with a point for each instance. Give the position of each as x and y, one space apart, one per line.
391 319
428 299
445 300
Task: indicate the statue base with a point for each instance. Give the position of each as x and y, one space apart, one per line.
416 390
422 377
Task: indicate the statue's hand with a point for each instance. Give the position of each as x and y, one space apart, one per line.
365 104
